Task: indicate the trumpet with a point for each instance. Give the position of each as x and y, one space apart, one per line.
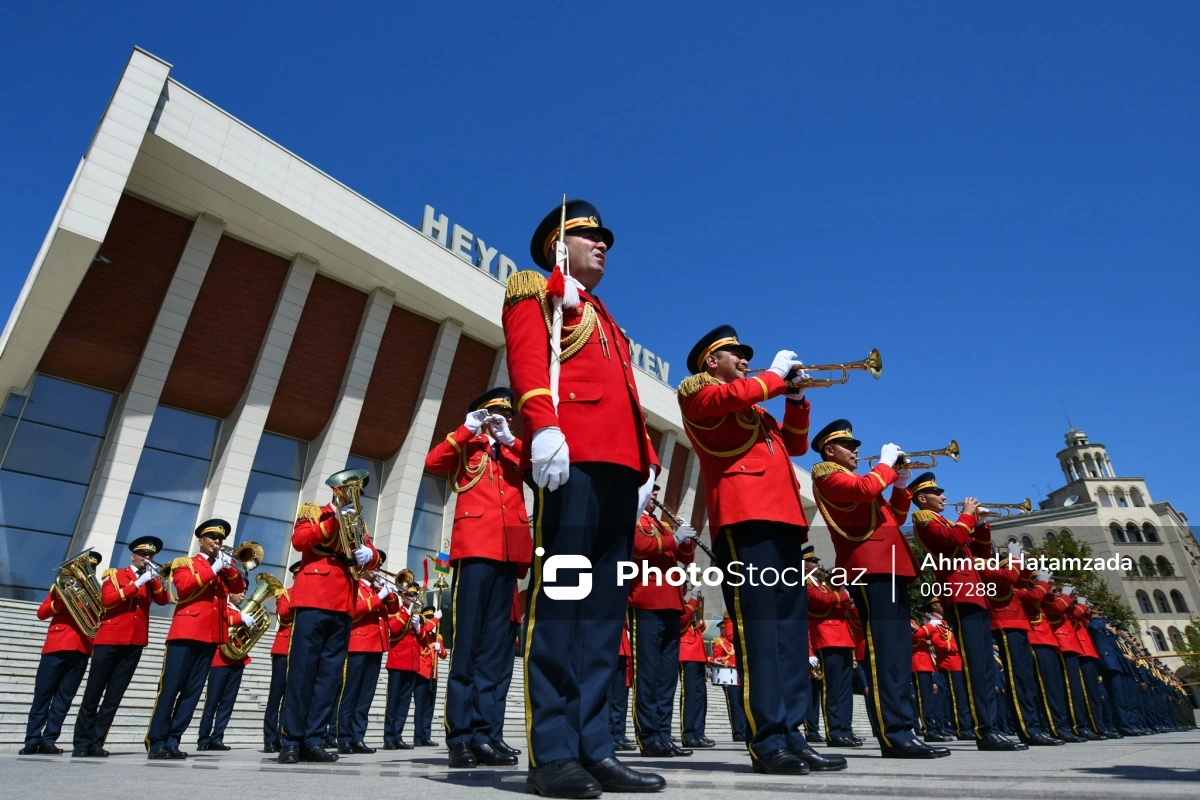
873 364
950 451
1009 509
678 520
401 581
164 576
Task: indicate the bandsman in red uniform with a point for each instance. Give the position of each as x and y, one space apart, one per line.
203 584
756 515
833 645
410 633
960 542
591 462
224 681
723 655
425 693
693 663
323 600
369 640
655 610
59 673
879 564
124 633
923 668
490 549
1061 608
272 738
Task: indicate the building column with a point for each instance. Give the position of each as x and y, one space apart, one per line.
402 475
332 446
109 491
691 481
666 450
238 442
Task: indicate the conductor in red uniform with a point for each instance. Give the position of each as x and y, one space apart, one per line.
203 584
490 549
592 466
124 633
755 512
867 540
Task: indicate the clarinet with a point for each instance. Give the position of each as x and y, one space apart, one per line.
678 520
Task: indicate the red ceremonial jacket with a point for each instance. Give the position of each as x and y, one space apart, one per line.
745 455
1079 620
1005 610
429 664
324 579
723 654
922 654
490 520
126 617
827 607
599 411
955 540
63 633
863 527
203 597
854 622
625 649
654 543
691 634
1057 607
407 641
1031 599
283 636
219 659
945 644
369 620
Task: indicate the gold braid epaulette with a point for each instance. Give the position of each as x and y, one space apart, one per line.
923 516
180 563
108 573
310 512
694 383
824 468
524 284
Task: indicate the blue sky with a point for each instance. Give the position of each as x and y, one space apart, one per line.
1001 197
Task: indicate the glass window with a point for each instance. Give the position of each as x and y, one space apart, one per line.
9 417
1180 603
1027 541
183 432
171 476
1161 600
1150 532
268 513
54 441
1159 641
1118 533
1144 603
426 535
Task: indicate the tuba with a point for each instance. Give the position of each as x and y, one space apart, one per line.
241 638
76 585
347 488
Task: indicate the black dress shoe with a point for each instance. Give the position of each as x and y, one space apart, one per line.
402 745
272 747
288 754
563 778
318 755
623 746
202 746
1083 733
708 742
819 763
779 762
1071 738
996 742
360 748
329 743
1041 740
914 749
658 749
176 753
965 737
79 752
50 750
616 777
860 742
97 751
345 750
939 737
502 746
678 751
491 757
699 743
158 754
424 743
461 757
29 750
843 741
814 737
221 746
1114 735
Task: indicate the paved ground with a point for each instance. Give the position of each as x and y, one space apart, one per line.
1161 767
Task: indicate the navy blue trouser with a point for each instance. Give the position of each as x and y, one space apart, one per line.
572 642
1118 695
618 700
1076 699
888 665
113 666
58 677
960 704
737 713
1093 693
358 692
223 685
654 638
506 674
401 684
973 628
1052 688
837 690
424 696
271 734
693 700
185 669
482 651
1020 680
943 715
926 715
770 631
812 719
314 674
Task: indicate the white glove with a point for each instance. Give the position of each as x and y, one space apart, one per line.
416 620
500 430
903 476
1083 601
814 661
362 555
1043 576
935 623
782 364
145 578
384 591
348 509
644 492
550 458
694 594
437 614
224 561
247 620
890 454
475 420
796 395
437 647
683 534
1015 549
1068 589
